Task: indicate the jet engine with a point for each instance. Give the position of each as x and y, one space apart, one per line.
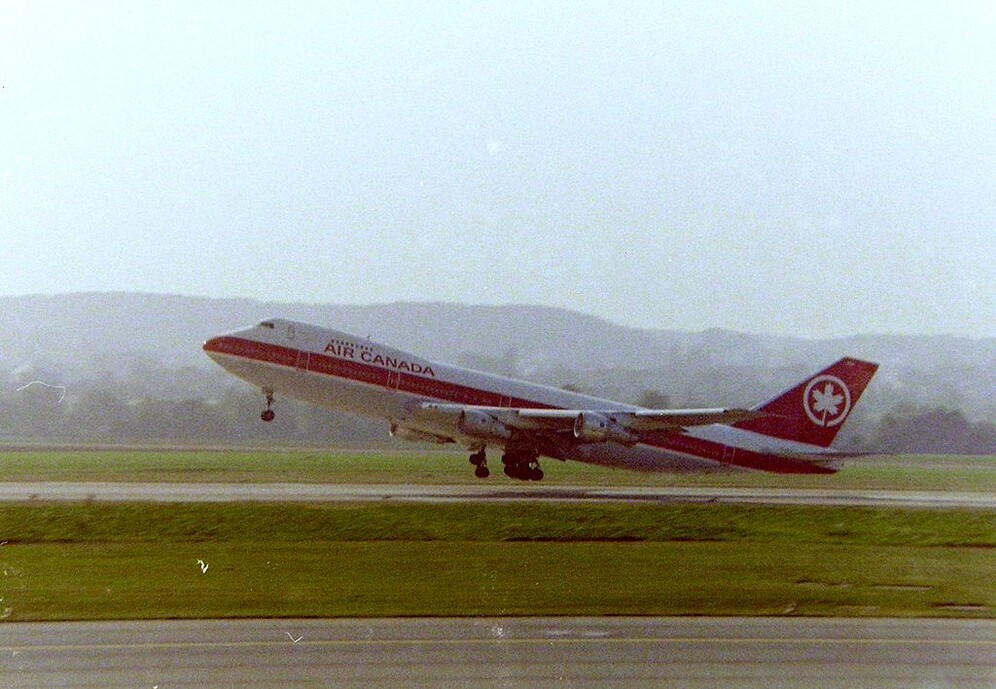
591 427
479 424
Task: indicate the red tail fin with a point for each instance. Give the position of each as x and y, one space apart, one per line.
815 409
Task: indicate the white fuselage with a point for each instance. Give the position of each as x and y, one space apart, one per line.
340 371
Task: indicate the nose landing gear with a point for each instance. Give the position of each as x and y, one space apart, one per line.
268 414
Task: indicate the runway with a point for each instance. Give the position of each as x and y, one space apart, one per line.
492 491
503 652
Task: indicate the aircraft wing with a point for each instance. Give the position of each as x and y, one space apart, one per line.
626 426
636 420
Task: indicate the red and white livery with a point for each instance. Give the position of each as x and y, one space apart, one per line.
427 401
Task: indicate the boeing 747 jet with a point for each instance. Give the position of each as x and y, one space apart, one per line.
433 402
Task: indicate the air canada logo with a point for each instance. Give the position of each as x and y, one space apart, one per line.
826 400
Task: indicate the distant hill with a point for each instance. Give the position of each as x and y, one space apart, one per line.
152 343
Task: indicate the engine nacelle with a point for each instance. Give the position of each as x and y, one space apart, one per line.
591 427
479 424
417 436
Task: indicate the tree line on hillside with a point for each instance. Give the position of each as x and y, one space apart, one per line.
932 430
99 417
92 414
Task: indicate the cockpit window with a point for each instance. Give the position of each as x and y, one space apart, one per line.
266 324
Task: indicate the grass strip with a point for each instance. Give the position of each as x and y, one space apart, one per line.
99 523
968 474
134 561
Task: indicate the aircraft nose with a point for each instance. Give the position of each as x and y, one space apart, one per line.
214 345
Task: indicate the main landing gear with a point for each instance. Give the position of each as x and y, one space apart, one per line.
268 414
480 462
520 465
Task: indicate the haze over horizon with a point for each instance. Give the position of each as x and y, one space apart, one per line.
816 171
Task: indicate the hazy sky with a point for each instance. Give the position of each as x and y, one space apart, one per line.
791 168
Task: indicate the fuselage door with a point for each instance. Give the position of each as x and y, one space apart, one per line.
301 343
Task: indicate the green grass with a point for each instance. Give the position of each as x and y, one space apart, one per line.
121 561
969 474
127 561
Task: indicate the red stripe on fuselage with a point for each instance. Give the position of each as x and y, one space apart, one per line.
359 372
402 381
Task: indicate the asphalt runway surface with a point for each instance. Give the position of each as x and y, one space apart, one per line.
492 491
504 652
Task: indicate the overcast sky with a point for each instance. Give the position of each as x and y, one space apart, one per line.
799 168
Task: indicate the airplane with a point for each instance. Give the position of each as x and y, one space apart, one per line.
428 401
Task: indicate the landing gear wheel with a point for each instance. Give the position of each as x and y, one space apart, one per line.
522 466
268 415
480 461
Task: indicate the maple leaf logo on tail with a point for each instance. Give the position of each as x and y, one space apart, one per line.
827 400
814 410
